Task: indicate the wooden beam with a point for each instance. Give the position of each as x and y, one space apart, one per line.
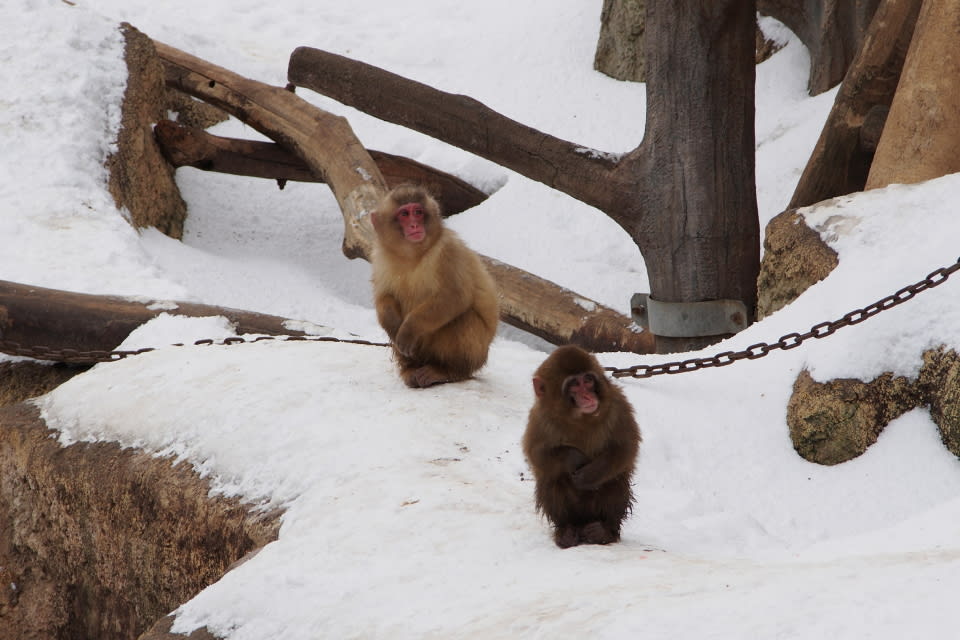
840 160
458 120
33 316
185 146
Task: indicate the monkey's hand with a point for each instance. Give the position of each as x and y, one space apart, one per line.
590 476
573 459
407 341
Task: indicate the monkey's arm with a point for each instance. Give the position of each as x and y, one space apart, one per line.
388 314
561 460
611 462
429 316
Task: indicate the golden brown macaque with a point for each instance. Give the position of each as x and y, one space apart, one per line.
434 297
581 442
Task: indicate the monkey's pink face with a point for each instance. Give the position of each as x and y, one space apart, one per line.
582 391
410 218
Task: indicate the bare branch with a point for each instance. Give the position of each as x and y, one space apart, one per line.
193 147
458 120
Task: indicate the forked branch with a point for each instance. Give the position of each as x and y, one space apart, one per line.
332 152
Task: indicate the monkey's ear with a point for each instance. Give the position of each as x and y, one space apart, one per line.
373 219
539 386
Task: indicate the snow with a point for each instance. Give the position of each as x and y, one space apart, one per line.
409 514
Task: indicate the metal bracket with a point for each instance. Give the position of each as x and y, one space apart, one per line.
688 319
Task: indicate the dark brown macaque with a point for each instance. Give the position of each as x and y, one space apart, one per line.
581 443
434 297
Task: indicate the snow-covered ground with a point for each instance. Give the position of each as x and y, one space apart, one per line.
409 514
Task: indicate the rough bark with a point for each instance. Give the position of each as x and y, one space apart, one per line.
841 159
620 48
140 179
694 215
620 45
192 147
97 541
922 133
686 196
67 321
832 31
328 146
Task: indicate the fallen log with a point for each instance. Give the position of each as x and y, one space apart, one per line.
329 148
60 321
185 146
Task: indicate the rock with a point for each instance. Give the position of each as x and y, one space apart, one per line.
794 258
620 47
141 180
832 422
835 421
940 383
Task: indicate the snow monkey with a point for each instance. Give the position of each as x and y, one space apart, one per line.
434 297
581 442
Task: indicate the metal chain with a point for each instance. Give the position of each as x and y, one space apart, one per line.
75 356
791 340
754 351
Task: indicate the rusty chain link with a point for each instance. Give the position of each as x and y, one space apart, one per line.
790 340
76 356
754 351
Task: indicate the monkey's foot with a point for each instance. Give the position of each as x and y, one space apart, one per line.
427 376
566 537
596 533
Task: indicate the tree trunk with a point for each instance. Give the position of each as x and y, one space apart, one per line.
695 216
922 133
841 159
686 195
832 30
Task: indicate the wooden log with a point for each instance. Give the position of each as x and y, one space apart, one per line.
840 162
458 120
323 140
63 320
922 133
185 146
329 148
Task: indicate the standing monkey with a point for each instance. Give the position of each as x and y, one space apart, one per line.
581 442
434 297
